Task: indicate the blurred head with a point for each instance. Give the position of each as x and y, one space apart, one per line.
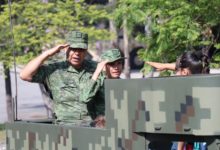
190 62
75 56
76 53
114 69
114 66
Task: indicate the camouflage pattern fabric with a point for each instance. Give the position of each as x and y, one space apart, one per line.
77 39
137 111
70 88
96 106
111 55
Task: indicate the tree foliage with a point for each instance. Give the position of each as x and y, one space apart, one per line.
180 25
172 27
38 25
132 11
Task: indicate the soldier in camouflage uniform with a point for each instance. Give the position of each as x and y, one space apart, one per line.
110 67
66 80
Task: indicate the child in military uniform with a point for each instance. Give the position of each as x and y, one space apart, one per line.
110 67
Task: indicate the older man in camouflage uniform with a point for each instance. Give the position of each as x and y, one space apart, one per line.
67 80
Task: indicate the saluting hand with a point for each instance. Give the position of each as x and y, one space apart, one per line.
156 65
99 69
101 65
162 66
57 49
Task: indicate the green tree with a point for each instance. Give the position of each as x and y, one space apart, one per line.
172 26
127 16
179 26
40 25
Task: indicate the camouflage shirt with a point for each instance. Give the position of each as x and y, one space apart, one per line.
70 88
96 106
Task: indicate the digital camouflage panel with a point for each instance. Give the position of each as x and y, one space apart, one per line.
140 113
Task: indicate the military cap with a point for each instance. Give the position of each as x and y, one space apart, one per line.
111 55
77 39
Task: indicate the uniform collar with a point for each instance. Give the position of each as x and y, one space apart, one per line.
70 68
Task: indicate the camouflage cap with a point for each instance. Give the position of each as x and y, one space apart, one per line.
111 55
77 39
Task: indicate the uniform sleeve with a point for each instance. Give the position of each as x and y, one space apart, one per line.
91 88
40 75
43 72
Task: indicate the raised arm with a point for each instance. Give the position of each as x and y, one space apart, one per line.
162 66
99 69
94 84
31 68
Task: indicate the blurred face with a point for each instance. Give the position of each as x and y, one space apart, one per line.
114 69
183 72
76 56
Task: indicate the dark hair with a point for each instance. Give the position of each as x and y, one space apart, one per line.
195 61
